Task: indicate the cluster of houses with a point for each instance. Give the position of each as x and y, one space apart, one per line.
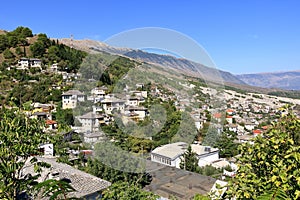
103 107
26 63
243 114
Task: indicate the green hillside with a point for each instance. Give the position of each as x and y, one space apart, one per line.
22 43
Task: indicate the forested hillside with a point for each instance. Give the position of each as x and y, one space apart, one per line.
22 43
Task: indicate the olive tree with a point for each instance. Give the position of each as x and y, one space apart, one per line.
20 138
270 166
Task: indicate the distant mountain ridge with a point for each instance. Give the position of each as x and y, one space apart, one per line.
189 67
289 80
183 65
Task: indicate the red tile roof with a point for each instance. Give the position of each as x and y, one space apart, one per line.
50 122
257 131
217 115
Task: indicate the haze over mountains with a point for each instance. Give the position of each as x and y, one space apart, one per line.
282 80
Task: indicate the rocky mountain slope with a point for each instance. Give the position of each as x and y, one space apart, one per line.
284 80
182 65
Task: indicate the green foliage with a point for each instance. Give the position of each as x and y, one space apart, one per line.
274 194
68 59
20 138
55 189
102 170
289 94
209 170
171 125
19 52
189 161
272 162
227 145
3 43
200 197
38 49
39 91
211 138
187 129
8 54
125 191
21 32
64 117
53 54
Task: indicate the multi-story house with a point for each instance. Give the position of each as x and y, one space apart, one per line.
71 98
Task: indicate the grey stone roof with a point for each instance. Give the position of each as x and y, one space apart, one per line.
171 151
170 181
133 108
84 183
72 92
94 135
91 115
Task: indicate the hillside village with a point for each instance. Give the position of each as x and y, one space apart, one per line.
216 116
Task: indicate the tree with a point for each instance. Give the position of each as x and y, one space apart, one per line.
8 54
38 49
43 38
19 52
3 43
225 143
55 189
64 116
13 40
189 161
53 54
270 164
26 32
125 191
211 137
20 138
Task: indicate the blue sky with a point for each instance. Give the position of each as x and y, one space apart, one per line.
240 36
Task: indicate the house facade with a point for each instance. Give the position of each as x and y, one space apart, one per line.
71 97
91 121
25 63
110 104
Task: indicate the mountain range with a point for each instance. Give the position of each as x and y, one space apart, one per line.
284 80
280 80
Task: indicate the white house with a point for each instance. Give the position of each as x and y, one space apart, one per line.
89 137
250 126
136 113
171 154
54 67
111 103
206 154
233 127
91 121
142 93
24 63
47 149
71 97
98 93
198 124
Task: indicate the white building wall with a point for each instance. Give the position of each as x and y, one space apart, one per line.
207 159
166 161
176 162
